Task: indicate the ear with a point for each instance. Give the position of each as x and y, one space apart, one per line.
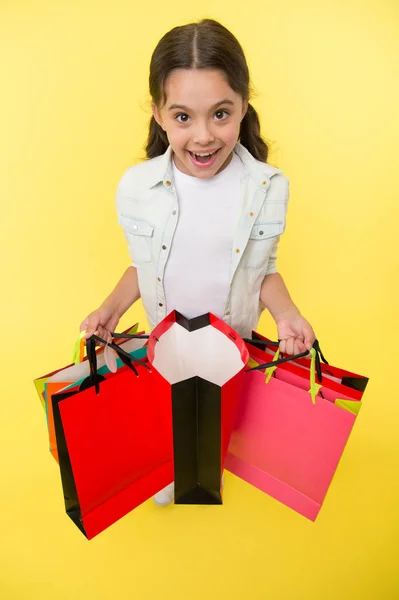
157 115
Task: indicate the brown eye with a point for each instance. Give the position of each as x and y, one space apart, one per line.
182 118
221 114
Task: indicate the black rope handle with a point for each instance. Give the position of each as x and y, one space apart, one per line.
121 352
130 336
261 343
280 361
94 378
316 346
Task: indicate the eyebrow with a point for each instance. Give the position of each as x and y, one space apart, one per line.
174 106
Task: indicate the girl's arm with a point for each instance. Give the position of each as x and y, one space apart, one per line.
105 319
294 331
125 293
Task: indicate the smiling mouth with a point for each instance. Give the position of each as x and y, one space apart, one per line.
204 157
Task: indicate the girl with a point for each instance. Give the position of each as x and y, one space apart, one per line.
203 216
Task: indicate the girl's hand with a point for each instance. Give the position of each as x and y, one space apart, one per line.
101 322
295 333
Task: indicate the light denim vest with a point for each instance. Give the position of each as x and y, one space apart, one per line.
148 211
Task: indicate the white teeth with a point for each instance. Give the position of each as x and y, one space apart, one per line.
202 155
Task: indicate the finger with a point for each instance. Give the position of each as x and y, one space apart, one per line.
101 333
283 346
90 330
309 335
84 325
290 345
111 324
299 346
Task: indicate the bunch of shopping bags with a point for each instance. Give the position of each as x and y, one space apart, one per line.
182 404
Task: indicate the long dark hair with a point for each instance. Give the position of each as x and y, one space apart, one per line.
203 45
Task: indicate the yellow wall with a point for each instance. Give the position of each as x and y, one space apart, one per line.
73 116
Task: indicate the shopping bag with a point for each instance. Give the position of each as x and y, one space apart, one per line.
286 442
57 380
114 441
202 361
339 380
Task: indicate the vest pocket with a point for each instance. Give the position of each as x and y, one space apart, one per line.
261 240
138 235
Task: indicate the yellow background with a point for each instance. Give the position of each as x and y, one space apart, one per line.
74 112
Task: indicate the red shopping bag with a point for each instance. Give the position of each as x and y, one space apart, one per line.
201 362
283 443
57 380
114 441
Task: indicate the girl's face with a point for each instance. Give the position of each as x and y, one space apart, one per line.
201 116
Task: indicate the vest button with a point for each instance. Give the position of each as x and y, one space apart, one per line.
164 247
160 304
227 313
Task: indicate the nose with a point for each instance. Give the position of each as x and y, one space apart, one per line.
203 135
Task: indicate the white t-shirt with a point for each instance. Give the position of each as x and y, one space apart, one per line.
197 272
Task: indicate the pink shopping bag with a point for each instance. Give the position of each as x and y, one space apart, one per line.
286 445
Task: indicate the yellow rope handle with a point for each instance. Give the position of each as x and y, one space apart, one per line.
78 349
270 370
314 387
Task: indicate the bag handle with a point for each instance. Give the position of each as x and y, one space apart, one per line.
280 361
131 336
95 378
261 343
123 355
78 349
315 366
316 347
314 387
